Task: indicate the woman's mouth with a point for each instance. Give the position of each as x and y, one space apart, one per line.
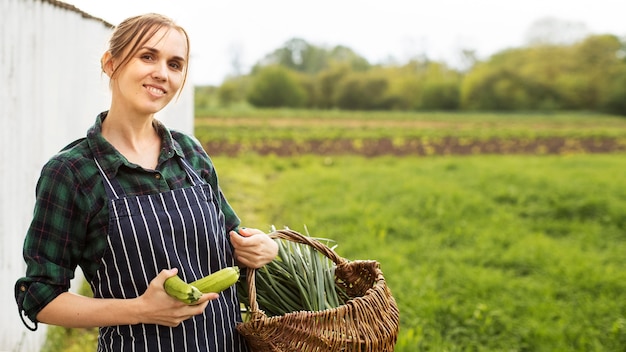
155 90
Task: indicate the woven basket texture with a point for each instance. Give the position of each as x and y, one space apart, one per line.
369 322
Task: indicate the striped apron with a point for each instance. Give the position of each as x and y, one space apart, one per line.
182 228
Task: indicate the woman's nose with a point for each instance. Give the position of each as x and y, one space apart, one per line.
160 71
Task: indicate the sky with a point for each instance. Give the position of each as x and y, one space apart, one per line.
226 32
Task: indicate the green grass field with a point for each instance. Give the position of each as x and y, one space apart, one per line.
255 125
482 252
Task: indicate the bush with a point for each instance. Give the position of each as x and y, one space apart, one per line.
441 96
616 98
233 90
276 86
362 92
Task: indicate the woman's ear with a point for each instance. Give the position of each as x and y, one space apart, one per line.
106 63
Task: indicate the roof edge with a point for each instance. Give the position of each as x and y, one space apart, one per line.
73 8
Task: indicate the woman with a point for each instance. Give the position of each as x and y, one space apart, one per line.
132 204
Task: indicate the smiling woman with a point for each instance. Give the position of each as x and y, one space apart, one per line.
133 204
146 69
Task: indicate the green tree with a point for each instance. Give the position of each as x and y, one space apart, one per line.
442 95
233 90
362 91
405 87
598 59
512 80
423 85
276 86
309 86
343 54
204 97
440 89
299 55
549 74
326 84
615 100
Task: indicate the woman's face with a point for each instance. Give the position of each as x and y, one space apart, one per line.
153 75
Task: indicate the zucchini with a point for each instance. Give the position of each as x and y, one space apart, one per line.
191 293
182 291
218 281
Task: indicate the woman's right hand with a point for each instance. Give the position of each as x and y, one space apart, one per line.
157 307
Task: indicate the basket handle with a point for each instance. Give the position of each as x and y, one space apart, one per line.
293 236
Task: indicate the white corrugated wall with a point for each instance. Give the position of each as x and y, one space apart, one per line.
51 90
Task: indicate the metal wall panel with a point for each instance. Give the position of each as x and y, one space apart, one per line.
51 90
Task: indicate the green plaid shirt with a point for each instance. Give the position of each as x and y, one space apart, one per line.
71 217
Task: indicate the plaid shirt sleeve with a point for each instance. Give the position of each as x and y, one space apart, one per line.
48 245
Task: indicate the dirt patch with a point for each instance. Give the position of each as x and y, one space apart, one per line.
347 123
420 147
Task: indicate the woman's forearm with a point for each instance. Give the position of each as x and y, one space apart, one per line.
154 306
75 311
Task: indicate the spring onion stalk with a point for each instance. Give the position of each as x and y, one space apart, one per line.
299 279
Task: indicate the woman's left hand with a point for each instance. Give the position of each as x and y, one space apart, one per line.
253 247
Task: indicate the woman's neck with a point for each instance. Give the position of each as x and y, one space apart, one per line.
134 137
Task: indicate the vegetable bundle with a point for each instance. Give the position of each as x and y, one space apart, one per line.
300 278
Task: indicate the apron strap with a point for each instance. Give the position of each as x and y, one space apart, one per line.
191 173
113 188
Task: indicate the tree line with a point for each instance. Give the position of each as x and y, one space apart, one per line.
589 74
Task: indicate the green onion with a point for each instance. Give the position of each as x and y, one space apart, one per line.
299 279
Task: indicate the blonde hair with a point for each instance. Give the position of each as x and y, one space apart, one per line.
132 33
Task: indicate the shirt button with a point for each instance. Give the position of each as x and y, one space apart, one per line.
157 176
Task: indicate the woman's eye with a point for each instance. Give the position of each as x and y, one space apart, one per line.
176 65
147 57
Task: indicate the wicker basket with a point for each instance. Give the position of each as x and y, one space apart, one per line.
367 323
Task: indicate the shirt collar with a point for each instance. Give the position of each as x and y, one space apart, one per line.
111 160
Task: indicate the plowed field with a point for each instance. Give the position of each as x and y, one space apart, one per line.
442 146
290 136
